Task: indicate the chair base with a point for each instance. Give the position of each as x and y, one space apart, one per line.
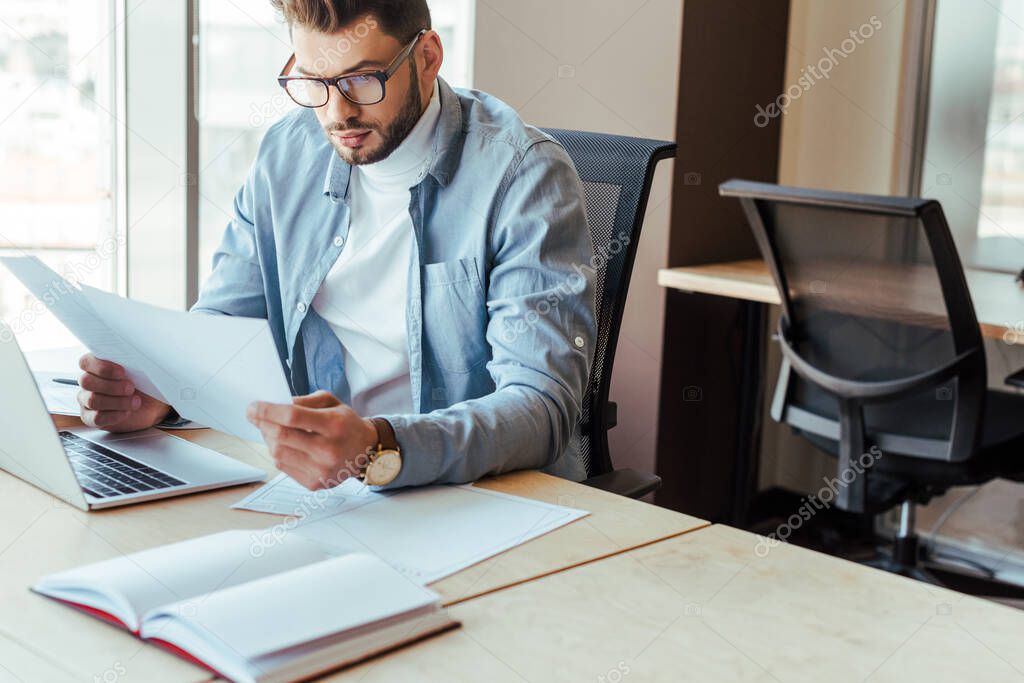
625 482
887 564
946 577
904 558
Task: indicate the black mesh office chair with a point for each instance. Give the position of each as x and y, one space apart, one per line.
617 173
882 350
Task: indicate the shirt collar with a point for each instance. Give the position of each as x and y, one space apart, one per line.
449 137
446 154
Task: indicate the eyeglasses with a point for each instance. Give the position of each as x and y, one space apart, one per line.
360 88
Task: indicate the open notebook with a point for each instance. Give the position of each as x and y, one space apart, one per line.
252 612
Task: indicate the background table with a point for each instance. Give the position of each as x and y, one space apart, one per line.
998 300
998 303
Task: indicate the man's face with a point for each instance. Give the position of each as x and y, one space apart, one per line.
362 134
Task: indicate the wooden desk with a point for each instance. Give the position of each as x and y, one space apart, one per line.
998 302
42 535
706 607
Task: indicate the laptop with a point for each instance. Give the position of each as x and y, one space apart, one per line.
92 469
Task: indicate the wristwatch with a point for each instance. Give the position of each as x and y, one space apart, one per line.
386 461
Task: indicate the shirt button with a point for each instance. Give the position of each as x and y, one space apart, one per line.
338 241
578 341
301 307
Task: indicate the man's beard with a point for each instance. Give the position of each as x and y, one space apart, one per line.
395 134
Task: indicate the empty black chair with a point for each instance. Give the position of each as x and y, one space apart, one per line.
617 173
883 361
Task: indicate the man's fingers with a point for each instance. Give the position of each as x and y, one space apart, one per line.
108 418
314 475
298 466
98 385
296 417
101 368
320 399
102 402
305 442
103 418
314 448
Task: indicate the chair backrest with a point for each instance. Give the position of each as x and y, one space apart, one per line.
617 173
877 326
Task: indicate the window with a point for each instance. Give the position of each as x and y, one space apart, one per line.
57 153
95 157
239 99
974 154
1002 189
454 21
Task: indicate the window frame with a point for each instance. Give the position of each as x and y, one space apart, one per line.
158 152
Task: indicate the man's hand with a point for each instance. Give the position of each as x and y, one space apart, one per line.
110 401
318 441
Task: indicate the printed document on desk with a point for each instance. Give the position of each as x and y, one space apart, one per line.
425 533
285 496
60 399
209 367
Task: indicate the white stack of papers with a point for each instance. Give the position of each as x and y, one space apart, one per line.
426 533
209 367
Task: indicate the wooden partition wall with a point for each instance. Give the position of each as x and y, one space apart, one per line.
732 68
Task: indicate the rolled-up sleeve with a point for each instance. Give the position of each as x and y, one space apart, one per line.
541 330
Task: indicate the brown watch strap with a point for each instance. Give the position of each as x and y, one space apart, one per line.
385 434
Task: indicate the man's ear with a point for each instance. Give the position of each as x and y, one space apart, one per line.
432 56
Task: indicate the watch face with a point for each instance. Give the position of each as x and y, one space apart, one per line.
384 468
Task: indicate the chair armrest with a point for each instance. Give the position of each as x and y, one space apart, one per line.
1016 379
625 482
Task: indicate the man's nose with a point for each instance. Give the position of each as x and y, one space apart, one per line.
339 108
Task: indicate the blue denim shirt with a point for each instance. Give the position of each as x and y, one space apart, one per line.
500 313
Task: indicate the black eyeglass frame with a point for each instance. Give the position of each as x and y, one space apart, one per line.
382 76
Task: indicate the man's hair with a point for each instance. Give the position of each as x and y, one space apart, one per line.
400 19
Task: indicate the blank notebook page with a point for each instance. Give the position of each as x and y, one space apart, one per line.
302 605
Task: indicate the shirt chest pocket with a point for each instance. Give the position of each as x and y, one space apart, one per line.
454 315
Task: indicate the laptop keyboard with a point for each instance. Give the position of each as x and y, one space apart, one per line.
104 473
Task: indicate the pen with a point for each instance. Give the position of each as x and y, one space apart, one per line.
70 382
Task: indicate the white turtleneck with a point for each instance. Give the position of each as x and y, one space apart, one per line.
363 297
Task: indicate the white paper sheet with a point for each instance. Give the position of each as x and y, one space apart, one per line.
426 533
209 367
70 306
61 399
293 610
285 496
